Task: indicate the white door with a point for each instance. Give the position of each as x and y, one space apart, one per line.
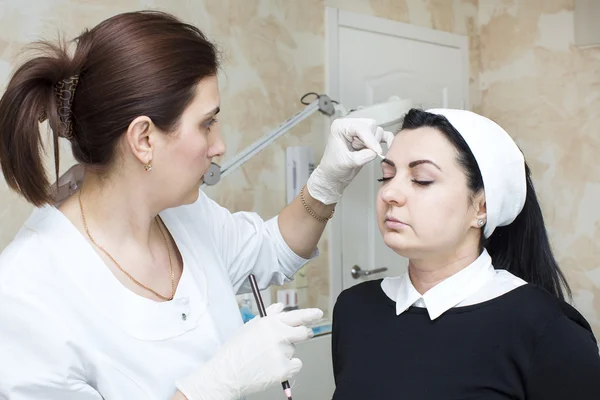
369 60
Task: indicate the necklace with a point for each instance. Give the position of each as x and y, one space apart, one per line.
121 268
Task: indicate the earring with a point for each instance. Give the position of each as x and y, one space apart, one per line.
148 167
480 223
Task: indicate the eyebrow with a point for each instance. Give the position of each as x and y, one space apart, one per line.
419 162
214 111
412 164
388 161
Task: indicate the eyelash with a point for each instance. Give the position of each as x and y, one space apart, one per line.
210 123
420 183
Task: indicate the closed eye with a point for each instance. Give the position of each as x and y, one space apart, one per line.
422 183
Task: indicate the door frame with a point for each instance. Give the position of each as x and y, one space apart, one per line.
335 19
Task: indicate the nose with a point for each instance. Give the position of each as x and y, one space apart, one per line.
393 195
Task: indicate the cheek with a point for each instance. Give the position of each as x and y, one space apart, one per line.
201 151
379 204
442 218
194 149
380 207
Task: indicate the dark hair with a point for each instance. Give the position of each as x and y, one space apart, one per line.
138 63
523 247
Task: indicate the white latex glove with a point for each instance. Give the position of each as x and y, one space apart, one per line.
258 356
353 142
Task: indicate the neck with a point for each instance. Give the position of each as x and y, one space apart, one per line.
120 208
426 273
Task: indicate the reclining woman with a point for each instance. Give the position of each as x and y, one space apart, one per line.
481 311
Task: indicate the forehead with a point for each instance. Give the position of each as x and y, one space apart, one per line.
206 96
422 143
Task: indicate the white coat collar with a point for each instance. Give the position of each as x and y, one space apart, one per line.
446 294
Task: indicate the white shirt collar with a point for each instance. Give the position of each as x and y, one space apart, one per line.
446 294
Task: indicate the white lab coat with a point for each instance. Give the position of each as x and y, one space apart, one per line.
70 330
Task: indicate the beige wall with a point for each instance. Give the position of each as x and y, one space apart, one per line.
546 93
524 73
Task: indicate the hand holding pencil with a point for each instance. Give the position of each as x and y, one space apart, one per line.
258 356
276 309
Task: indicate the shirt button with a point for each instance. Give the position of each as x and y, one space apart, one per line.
183 316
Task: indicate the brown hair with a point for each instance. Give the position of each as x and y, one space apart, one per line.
139 63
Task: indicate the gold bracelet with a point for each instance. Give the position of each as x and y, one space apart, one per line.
311 212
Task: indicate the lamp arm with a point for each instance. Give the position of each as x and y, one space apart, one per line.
215 172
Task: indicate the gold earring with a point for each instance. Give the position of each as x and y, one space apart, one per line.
148 167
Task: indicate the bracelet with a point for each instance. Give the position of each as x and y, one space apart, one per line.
311 212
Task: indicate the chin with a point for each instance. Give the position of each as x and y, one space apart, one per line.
398 244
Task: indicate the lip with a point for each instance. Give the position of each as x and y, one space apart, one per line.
394 223
392 219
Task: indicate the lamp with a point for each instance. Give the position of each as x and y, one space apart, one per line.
388 115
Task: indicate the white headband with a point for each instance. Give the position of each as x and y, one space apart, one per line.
500 161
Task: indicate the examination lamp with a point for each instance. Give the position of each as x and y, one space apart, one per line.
387 114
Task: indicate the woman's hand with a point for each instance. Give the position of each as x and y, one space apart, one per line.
353 143
257 357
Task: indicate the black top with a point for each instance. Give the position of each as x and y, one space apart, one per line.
525 344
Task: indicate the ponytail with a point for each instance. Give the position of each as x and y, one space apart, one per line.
523 248
28 100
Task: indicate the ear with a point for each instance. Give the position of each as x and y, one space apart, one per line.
480 209
138 138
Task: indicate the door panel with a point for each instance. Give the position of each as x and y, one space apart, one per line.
373 66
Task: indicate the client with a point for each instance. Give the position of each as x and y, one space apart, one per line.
481 312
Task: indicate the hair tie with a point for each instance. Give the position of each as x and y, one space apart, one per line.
64 91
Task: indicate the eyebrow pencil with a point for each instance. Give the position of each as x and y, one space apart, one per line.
263 313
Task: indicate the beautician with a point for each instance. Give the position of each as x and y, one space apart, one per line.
126 290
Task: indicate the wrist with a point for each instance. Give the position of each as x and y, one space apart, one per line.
207 383
317 209
322 189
